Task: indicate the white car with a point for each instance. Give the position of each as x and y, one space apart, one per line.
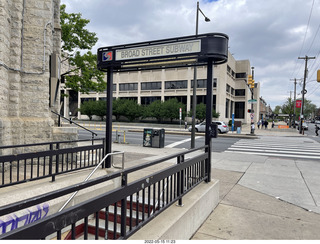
222 127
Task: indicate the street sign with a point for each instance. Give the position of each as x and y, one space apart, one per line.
298 103
252 116
252 101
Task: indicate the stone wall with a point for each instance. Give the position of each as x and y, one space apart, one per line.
29 34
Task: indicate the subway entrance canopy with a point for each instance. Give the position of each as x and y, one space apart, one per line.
166 53
206 49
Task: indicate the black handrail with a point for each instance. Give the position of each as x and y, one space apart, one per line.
71 121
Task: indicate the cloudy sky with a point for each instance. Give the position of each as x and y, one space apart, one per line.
272 34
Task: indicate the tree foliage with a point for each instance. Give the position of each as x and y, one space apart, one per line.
127 108
88 108
84 75
201 112
171 109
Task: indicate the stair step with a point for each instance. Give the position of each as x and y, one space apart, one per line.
131 219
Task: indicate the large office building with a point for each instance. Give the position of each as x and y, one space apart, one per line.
231 93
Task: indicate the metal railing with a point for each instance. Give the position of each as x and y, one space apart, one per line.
122 216
89 176
71 121
36 161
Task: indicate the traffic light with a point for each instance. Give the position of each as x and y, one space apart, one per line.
318 75
252 84
250 81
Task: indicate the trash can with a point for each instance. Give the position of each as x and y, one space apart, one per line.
158 138
213 130
147 137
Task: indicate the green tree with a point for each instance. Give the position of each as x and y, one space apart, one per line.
118 108
84 76
88 108
171 109
100 109
127 108
132 109
201 112
155 110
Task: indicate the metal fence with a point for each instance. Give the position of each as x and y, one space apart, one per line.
120 212
37 161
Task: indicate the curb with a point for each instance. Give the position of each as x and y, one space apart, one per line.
173 132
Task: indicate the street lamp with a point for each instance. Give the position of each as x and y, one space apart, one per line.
194 98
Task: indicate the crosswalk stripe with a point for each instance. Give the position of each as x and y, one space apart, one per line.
276 148
279 147
277 155
180 142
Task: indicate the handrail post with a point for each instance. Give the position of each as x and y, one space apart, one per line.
180 185
124 180
50 162
57 159
208 163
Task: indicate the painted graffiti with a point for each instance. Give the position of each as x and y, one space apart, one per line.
12 221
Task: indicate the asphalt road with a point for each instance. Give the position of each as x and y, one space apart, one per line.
177 141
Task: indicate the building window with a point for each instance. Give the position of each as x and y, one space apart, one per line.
241 75
181 99
128 87
240 92
228 88
227 108
149 100
239 110
151 85
179 84
87 100
231 108
202 83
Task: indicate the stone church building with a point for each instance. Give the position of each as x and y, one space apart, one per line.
30 46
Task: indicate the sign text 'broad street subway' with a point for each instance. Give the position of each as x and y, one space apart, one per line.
151 51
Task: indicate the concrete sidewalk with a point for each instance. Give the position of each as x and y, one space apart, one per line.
264 198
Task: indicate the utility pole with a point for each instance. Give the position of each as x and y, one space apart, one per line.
294 103
194 91
306 58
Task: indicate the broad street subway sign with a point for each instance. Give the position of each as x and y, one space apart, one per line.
173 52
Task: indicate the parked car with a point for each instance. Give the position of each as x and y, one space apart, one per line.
222 127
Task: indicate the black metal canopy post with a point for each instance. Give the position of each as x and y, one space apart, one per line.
109 116
209 103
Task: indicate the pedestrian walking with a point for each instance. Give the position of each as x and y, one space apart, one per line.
316 128
266 124
185 125
258 124
252 127
272 123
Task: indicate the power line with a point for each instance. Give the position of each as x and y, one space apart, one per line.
304 38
